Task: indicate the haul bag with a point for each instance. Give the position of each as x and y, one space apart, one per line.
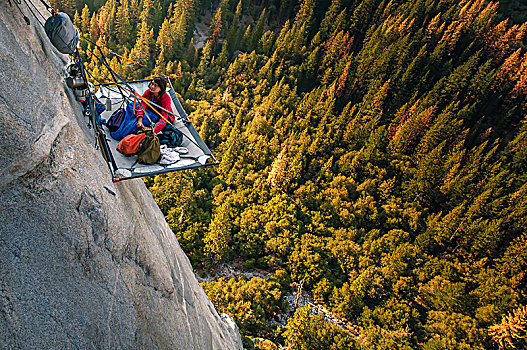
62 33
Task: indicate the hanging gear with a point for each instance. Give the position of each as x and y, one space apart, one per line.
62 33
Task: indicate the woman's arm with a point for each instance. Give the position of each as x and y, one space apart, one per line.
139 112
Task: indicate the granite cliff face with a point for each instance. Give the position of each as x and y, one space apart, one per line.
84 263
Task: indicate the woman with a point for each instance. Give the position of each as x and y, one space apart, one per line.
156 93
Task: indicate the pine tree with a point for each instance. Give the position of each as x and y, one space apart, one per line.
232 145
281 172
215 28
151 13
206 57
77 21
94 27
135 12
509 71
257 33
85 20
301 27
164 43
123 26
218 237
233 35
109 20
143 50
512 329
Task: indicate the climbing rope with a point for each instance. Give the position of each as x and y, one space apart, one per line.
34 10
17 4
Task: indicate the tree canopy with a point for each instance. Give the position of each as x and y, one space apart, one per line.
373 150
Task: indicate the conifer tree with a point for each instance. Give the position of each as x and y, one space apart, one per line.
257 33
77 21
109 11
215 28
135 12
233 35
232 151
512 329
191 53
329 22
143 50
123 26
94 27
246 39
85 20
281 172
301 27
206 58
286 9
164 43
151 13
281 43
218 238
266 42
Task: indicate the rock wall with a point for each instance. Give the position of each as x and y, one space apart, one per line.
84 263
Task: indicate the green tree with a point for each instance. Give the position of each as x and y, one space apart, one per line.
124 26
218 239
85 20
306 331
143 50
250 302
511 332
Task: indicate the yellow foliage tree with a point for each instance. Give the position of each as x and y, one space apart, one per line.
511 330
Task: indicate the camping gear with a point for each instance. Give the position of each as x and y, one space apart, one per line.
149 151
170 136
129 145
129 124
115 121
62 33
194 152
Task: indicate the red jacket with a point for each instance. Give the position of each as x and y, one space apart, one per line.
164 101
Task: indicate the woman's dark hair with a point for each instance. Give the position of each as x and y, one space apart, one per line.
162 83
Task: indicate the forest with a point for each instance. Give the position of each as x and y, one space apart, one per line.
373 154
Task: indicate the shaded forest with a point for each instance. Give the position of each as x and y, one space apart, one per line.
372 151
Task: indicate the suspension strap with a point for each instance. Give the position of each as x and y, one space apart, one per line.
126 59
150 104
103 60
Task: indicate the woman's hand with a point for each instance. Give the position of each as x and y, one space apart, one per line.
139 123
